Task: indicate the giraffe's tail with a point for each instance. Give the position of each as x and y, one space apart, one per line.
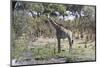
72 41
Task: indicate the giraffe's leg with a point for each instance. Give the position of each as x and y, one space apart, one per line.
59 46
72 41
70 44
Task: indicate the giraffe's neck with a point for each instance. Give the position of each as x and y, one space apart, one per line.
55 25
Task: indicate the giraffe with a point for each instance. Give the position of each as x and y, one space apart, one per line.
61 33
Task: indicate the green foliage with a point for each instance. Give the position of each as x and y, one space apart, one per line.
56 7
37 7
89 11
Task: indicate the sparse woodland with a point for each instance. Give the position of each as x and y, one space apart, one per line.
30 24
